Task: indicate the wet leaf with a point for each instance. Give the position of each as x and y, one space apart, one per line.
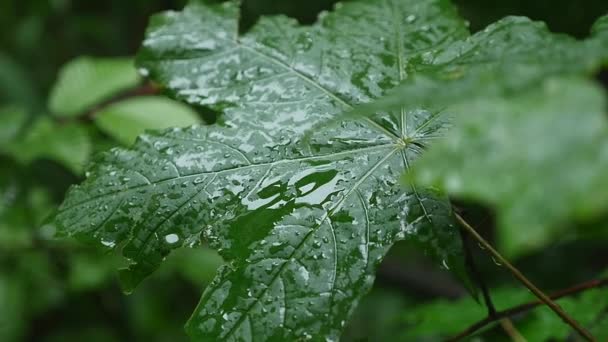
505 58
538 159
302 221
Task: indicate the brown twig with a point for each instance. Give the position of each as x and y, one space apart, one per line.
510 329
528 306
505 323
527 283
474 272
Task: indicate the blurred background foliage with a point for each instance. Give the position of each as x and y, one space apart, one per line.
60 63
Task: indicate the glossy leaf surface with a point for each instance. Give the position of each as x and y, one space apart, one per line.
506 57
537 165
303 222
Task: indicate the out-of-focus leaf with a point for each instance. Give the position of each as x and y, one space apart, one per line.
12 300
21 208
15 87
127 119
86 81
12 120
198 265
379 316
302 223
67 144
441 319
90 271
588 308
539 158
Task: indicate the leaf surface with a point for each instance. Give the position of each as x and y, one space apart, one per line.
537 159
302 222
505 58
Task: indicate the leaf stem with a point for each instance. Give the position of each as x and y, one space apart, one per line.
527 283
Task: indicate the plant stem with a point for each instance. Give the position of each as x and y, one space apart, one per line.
505 323
527 283
508 326
474 272
529 306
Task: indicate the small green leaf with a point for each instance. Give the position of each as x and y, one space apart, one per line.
86 81
67 144
22 208
12 120
15 86
600 28
127 119
441 319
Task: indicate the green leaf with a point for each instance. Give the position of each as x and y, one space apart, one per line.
303 223
528 176
86 81
600 29
67 144
127 119
12 120
12 297
505 58
441 319
15 87
538 157
589 309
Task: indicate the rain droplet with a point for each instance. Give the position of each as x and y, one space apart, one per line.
172 238
143 72
108 243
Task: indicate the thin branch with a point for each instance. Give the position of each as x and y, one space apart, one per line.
529 306
510 329
505 323
470 262
517 274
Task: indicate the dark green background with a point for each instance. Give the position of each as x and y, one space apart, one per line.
63 290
